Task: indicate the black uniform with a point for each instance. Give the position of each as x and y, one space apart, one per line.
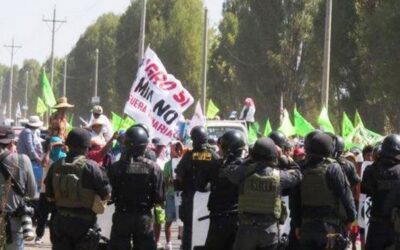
379 180
71 225
137 187
222 205
349 170
193 164
316 222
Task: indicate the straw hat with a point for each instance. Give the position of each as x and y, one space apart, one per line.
97 121
62 102
34 122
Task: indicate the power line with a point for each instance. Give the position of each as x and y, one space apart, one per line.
11 46
54 21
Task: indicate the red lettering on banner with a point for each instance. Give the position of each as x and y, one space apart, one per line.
138 104
181 98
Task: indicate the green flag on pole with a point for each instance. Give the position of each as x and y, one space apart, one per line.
302 126
287 127
324 122
116 121
357 120
48 95
40 107
253 132
268 128
127 123
70 123
212 110
347 126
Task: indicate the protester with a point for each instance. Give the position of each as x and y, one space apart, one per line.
56 152
248 111
18 182
30 144
161 158
170 208
96 131
97 114
98 149
58 120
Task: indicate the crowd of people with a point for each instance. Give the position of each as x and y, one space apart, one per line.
71 174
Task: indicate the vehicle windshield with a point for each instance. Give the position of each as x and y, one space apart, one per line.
217 132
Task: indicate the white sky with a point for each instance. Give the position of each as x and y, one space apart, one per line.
22 19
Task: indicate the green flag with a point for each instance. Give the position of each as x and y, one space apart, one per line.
116 121
357 120
253 132
287 127
70 123
268 128
302 126
324 122
212 110
48 95
40 106
127 123
347 126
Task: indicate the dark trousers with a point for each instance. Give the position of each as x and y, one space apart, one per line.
257 237
132 227
314 234
294 243
380 236
44 208
186 215
222 233
70 232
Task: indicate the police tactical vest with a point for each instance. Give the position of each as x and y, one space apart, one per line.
137 181
261 194
314 188
67 184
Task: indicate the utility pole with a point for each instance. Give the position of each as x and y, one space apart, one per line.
96 98
25 107
142 34
1 90
65 77
53 32
12 46
205 57
327 55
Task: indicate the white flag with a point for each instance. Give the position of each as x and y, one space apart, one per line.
198 118
18 113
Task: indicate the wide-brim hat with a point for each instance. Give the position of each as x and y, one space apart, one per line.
35 122
97 121
7 134
62 102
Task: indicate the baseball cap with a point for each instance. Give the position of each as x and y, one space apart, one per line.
97 110
7 135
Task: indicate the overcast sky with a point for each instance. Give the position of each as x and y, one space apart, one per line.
22 19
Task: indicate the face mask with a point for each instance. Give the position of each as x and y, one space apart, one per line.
56 154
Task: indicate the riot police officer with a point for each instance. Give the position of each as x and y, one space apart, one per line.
79 189
223 200
192 167
325 198
380 180
348 167
261 184
137 187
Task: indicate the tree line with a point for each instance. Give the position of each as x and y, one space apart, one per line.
260 49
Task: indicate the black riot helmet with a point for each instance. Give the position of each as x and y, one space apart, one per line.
308 138
339 146
391 146
232 142
264 149
136 136
198 135
321 145
279 139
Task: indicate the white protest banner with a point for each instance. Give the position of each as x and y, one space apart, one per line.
157 98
